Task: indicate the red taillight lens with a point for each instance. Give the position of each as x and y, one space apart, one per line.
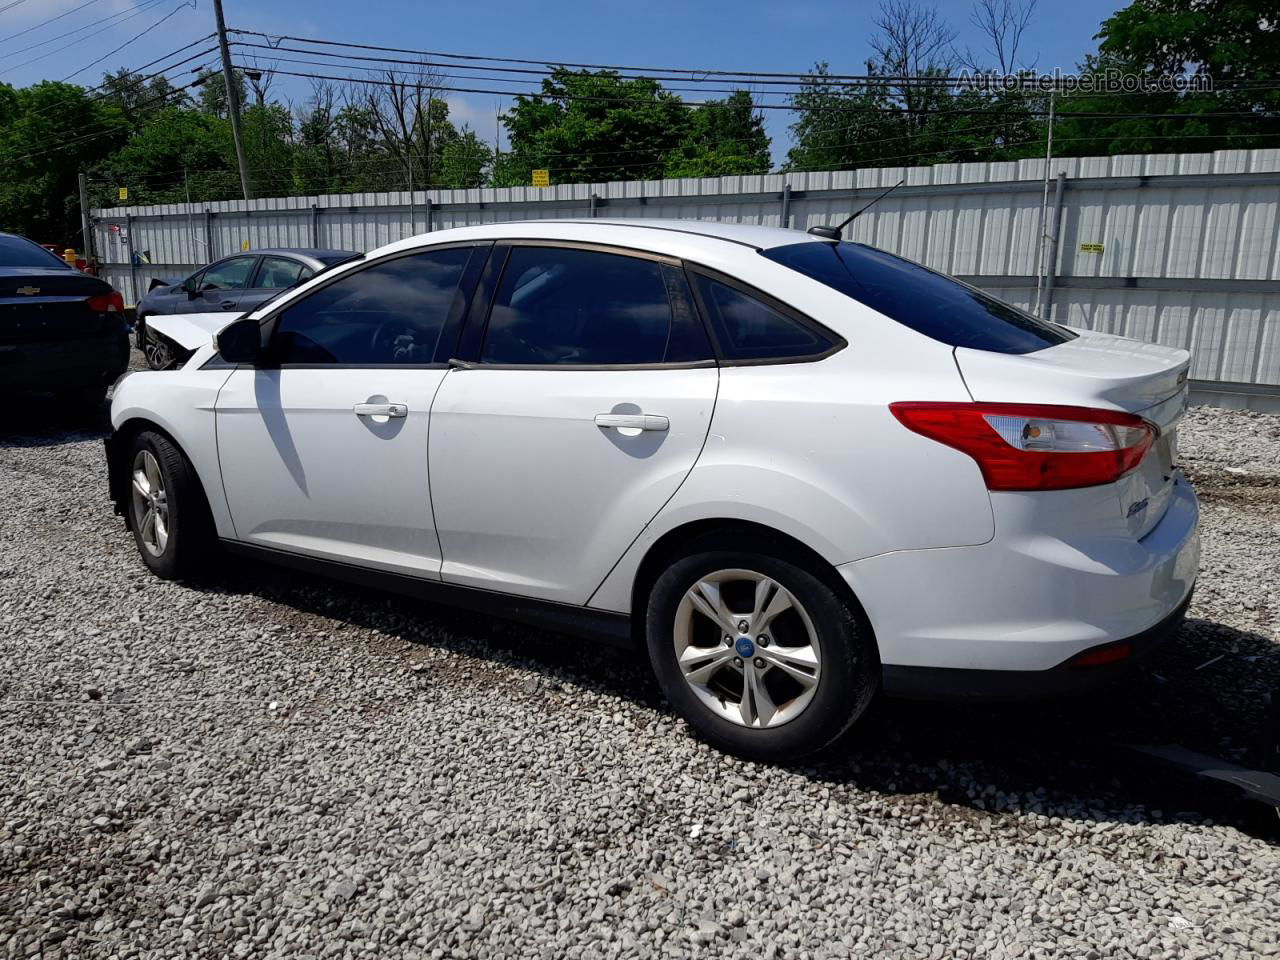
1035 446
106 303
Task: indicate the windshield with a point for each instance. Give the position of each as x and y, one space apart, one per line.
20 252
928 302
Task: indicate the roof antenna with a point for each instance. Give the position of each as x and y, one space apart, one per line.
833 233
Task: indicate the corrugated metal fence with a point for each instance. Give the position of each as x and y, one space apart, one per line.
1173 248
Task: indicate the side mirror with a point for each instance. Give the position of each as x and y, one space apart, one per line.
241 342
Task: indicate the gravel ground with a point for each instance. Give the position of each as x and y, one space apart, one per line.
263 765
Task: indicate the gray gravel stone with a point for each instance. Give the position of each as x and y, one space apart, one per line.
432 783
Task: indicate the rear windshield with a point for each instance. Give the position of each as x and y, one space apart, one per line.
922 299
19 252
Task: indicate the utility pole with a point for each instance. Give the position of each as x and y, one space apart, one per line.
233 96
1044 213
84 217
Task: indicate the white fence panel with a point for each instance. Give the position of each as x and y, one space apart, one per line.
1181 249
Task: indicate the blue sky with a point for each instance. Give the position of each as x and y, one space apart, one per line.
764 35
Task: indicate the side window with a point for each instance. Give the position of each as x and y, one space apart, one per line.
231 274
275 273
389 313
749 329
557 305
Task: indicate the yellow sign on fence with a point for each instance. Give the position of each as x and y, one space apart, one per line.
1091 248
542 178
124 193
245 246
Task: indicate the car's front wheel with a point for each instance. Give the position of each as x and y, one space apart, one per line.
166 508
762 657
160 353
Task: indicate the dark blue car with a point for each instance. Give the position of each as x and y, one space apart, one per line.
234 285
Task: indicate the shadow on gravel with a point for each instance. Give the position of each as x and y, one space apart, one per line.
39 421
1064 758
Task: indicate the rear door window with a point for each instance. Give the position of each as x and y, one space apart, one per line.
275 273
567 306
931 303
231 274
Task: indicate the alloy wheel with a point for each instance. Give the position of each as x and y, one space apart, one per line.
747 648
157 352
150 503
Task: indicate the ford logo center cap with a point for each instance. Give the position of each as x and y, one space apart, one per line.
744 647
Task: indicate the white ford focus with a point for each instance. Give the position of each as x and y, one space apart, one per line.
798 469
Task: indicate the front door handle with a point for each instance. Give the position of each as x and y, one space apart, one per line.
381 409
633 421
228 304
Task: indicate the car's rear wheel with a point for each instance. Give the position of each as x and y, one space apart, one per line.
762 657
166 508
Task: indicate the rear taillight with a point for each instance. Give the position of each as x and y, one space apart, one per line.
106 303
1035 446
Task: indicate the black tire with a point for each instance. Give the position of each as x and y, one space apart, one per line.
847 682
189 529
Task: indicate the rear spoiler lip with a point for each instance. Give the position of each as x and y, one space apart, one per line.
1169 412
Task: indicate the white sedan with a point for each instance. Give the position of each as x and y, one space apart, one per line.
799 469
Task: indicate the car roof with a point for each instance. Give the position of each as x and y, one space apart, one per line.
311 253
690 239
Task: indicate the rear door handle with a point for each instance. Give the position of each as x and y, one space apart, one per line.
633 421
381 409
228 304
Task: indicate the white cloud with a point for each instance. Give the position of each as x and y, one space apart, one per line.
477 111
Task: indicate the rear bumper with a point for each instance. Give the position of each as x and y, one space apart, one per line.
1066 679
1027 603
52 365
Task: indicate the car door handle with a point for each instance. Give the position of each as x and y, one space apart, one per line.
228 304
381 409
633 421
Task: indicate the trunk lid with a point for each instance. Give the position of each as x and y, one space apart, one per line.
42 304
1099 370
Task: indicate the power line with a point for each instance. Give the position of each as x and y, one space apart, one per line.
10 6
80 29
393 165
45 23
102 25
132 39
146 79
695 75
677 102
408 81
103 133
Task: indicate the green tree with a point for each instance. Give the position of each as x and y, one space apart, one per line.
179 150
50 132
589 127
724 137
213 92
1232 44
464 160
140 99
